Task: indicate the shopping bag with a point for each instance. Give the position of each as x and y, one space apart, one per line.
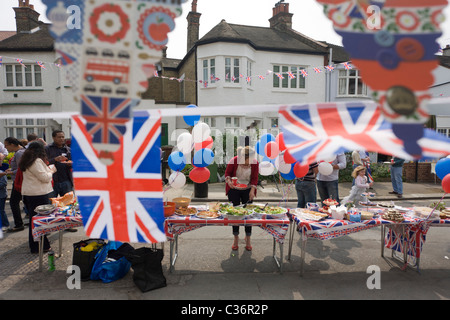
109 269
146 264
84 253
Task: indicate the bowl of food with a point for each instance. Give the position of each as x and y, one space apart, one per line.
181 202
169 209
45 209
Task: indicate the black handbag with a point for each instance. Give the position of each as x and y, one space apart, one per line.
147 267
85 259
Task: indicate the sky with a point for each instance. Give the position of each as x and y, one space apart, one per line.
308 19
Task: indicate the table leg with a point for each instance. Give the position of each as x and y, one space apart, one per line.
41 251
60 243
280 261
173 253
383 236
303 250
291 239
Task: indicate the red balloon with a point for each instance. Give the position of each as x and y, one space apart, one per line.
199 175
206 144
446 183
288 158
300 170
271 150
280 140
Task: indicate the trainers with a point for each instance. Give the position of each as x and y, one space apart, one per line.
400 196
393 192
15 229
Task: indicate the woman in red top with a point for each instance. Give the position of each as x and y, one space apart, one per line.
243 168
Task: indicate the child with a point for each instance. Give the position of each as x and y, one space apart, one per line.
359 174
3 195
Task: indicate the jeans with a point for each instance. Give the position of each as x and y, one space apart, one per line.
306 192
237 197
328 190
61 188
4 218
14 203
396 178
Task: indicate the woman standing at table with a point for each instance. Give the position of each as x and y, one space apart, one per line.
36 185
244 170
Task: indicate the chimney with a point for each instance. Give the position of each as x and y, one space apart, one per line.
446 51
193 19
26 18
281 18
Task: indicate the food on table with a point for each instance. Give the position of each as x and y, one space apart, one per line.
366 215
65 200
310 215
234 211
208 214
214 206
367 203
424 212
393 215
186 211
181 202
386 204
330 202
275 210
445 214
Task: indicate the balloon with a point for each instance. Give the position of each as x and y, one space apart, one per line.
177 180
185 143
200 132
290 175
288 158
280 140
261 143
203 158
199 175
176 161
442 168
271 149
266 168
282 166
446 183
191 120
300 170
325 168
206 144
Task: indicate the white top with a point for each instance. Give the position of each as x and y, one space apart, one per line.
341 162
37 179
243 174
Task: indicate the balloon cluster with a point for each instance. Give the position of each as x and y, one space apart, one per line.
275 156
199 141
442 170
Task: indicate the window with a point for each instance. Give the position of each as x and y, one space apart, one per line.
210 121
232 70
350 83
209 70
288 77
444 131
19 128
274 123
249 72
232 122
23 76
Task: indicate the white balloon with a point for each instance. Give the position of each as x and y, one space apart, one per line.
325 168
177 180
282 166
201 132
266 168
185 143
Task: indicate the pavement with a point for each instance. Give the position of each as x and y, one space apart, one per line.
207 268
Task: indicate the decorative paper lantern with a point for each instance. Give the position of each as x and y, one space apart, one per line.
200 132
325 168
185 142
271 149
199 175
300 170
191 120
176 161
177 180
203 158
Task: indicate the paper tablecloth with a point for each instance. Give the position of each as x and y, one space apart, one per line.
42 225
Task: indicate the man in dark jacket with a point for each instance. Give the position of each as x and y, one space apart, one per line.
59 154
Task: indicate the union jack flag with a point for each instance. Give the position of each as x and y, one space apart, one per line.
261 77
249 79
347 66
291 75
279 75
106 117
122 201
318 131
329 67
304 73
317 70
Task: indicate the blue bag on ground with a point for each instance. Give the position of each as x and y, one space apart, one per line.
109 268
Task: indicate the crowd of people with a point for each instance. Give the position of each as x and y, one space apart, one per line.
39 171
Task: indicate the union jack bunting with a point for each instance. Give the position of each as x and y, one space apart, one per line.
329 68
279 75
106 117
314 132
304 73
347 66
123 201
317 70
262 77
249 79
291 75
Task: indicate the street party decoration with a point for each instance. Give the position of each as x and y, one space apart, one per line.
395 50
109 50
199 174
191 120
122 201
177 180
300 170
313 132
442 168
176 161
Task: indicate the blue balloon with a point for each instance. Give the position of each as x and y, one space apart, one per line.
260 146
177 161
191 120
290 175
442 168
203 158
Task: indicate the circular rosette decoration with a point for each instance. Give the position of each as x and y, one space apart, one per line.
154 25
109 23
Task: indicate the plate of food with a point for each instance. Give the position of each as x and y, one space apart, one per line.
330 202
232 212
386 204
45 209
275 212
368 203
208 214
309 214
188 211
241 186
